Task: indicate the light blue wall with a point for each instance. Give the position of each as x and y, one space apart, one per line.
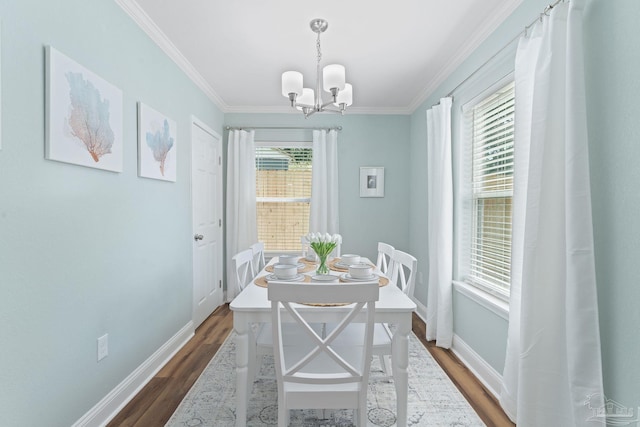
365 140
612 59
85 252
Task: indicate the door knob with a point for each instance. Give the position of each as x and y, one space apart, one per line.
198 237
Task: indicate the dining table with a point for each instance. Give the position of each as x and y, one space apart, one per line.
251 306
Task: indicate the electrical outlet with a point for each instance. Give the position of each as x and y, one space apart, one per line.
103 347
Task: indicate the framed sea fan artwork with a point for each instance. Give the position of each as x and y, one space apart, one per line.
83 115
157 151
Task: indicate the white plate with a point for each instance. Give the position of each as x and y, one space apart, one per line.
325 278
341 265
298 265
274 278
347 277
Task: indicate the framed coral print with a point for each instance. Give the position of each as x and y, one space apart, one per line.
157 150
371 181
83 115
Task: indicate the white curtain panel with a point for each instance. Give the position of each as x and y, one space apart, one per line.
553 362
242 227
440 224
324 183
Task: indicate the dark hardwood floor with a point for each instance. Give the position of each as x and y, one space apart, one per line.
156 402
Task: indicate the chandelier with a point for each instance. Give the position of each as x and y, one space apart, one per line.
333 79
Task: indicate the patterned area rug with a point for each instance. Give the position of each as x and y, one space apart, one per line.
433 399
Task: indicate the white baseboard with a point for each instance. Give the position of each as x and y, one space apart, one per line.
117 398
487 375
421 310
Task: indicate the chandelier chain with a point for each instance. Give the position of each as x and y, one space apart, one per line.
318 48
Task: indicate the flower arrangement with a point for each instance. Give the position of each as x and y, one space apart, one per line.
323 245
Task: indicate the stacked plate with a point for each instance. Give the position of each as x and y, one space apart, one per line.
347 277
273 278
324 278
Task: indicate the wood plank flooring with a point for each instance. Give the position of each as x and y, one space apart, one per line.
156 402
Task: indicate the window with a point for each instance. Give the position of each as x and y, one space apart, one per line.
283 193
492 130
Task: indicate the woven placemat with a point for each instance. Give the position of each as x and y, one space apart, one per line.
304 269
332 266
308 262
262 280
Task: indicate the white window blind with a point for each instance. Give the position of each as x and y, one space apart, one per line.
492 121
283 194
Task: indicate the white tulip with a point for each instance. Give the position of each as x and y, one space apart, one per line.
327 237
335 238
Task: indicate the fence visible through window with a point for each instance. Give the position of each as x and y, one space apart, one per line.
283 195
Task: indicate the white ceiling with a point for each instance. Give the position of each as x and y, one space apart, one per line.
395 53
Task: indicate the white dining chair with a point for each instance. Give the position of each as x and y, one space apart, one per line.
385 251
402 273
243 264
258 256
313 372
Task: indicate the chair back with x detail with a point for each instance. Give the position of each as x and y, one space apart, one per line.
403 271
385 251
311 371
243 263
258 257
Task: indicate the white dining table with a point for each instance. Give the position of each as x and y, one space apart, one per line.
252 306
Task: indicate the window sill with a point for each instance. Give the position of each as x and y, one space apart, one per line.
485 299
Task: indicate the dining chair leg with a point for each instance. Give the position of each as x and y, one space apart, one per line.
283 415
360 414
385 363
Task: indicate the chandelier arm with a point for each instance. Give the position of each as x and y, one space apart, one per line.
331 110
326 104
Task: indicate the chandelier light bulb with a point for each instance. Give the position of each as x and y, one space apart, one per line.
333 77
306 99
291 83
345 96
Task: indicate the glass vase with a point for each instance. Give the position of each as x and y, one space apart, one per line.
322 265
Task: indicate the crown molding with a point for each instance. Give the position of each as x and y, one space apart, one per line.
140 17
497 17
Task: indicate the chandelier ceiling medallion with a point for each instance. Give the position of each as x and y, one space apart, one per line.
333 79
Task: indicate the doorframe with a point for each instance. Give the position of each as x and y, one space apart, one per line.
201 124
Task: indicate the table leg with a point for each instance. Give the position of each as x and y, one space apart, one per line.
241 327
400 361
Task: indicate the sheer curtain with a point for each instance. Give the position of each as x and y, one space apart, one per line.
324 183
553 363
242 228
440 224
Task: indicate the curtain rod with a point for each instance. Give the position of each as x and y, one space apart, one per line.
524 31
281 127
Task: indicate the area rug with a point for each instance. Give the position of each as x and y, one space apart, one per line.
433 399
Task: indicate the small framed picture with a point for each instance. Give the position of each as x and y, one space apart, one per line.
157 151
371 181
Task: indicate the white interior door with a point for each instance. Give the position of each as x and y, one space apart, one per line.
206 199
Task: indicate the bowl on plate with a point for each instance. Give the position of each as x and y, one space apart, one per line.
288 259
360 271
349 259
285 271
